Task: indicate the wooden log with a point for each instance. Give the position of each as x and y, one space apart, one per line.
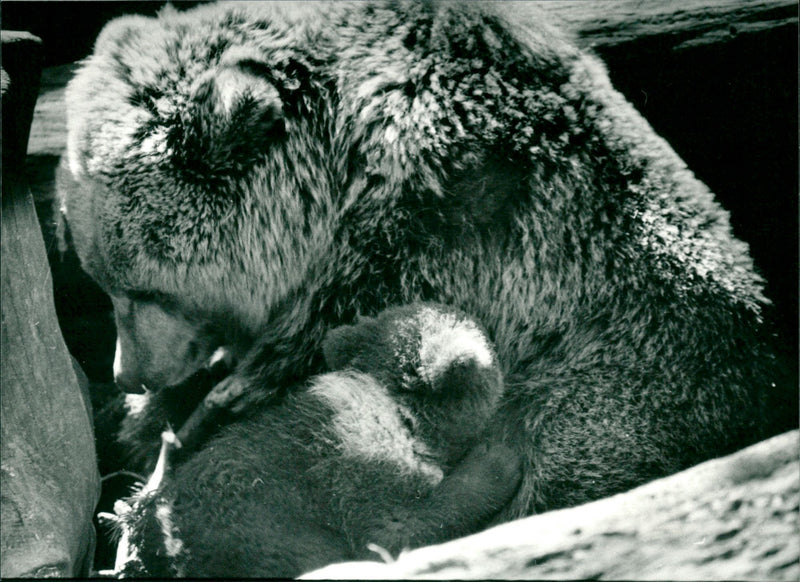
734 518
673 24
48 471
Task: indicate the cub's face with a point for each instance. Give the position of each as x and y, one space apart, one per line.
435 361
156 348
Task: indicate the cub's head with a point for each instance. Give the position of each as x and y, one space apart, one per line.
435 360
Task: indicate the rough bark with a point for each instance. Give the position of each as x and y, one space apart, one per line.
48 473
675 24
733 518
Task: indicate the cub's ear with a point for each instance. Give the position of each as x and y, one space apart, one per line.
344 346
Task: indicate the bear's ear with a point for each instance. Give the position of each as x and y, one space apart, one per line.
236 112
344 345
242 77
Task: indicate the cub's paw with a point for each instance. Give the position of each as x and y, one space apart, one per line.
490 475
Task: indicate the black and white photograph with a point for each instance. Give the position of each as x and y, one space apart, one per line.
400 289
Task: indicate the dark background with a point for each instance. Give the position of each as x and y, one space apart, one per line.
68 29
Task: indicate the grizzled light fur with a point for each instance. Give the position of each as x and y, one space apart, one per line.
464 153
370 424
447 341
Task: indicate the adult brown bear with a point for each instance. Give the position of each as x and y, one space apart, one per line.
249 175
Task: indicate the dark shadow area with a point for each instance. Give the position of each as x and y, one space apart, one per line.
69 29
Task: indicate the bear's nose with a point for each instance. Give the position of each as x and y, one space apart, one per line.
127 380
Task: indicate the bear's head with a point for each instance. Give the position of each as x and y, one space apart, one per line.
246 162
193 179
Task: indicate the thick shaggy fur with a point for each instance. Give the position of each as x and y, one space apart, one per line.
271 170
360 456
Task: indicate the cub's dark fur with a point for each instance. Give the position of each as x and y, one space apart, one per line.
269 171
365 454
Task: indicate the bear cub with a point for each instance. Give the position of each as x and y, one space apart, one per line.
382 451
